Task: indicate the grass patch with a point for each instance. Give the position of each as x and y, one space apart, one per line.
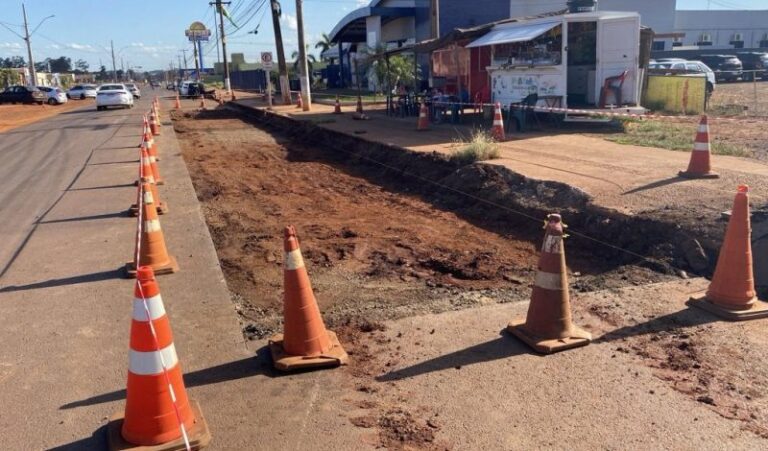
670 135
481 146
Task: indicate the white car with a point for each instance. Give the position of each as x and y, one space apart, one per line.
113 95
82 91
134 90
184 87
55 95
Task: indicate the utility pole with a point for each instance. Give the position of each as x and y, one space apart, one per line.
122 67
114 67
180 66
219 7
304 74
216 31
285 88
197 68
32 74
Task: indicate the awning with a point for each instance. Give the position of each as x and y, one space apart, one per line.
515 33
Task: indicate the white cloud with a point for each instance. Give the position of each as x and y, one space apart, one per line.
84 47
289 21
361 3
10 46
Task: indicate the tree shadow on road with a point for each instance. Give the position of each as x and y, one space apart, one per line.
501 348
117 214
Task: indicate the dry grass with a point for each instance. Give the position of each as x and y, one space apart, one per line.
480 147
670 135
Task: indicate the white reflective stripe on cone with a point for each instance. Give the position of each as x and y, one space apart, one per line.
153 225
293 260
155 306
148 199
700 146
548 281
149 363
704 128
152 159
145 160
552 244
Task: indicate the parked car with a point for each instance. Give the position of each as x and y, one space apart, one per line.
82 92
683 67
171 86
754 61
113 95
55 95
134 90
22 94
184 87
726 67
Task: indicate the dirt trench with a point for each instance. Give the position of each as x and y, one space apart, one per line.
378 245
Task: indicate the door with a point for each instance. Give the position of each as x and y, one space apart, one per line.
618 48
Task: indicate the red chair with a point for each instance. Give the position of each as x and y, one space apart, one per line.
613 84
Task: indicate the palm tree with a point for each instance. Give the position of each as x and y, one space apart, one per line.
324 44
310 60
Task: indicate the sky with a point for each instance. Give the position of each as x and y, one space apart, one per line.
150 33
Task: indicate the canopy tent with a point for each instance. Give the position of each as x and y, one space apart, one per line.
513 33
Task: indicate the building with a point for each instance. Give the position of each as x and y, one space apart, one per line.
716 29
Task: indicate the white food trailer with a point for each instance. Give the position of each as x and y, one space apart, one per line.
566 59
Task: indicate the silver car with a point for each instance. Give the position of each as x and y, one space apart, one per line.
134 90
55 95
82 92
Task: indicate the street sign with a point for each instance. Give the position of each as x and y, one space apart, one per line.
197 32
266 60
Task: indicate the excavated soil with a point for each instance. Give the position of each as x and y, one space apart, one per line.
374 249
378 249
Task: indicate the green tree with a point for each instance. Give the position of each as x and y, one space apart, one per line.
324 44
13 61
102 75
400 68
81 66
310 62
8 77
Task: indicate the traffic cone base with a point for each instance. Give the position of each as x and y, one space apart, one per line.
543 345
757 309
199 435
162 209
169 268
335 356
694 175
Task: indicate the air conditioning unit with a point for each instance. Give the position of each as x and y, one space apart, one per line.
737 37
705 37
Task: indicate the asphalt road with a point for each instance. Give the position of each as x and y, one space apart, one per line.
41 161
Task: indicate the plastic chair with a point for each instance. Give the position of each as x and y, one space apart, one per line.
613 84
521 111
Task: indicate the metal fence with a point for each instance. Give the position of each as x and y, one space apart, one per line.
746 96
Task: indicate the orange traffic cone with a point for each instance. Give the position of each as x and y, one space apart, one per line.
178 102
153 123
202 103
152 149
152 250
548 326
158 412
146 125
423 122
337 107
299 101
359 108
731 294
147 176
699 167
305 342
497 130
159 121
